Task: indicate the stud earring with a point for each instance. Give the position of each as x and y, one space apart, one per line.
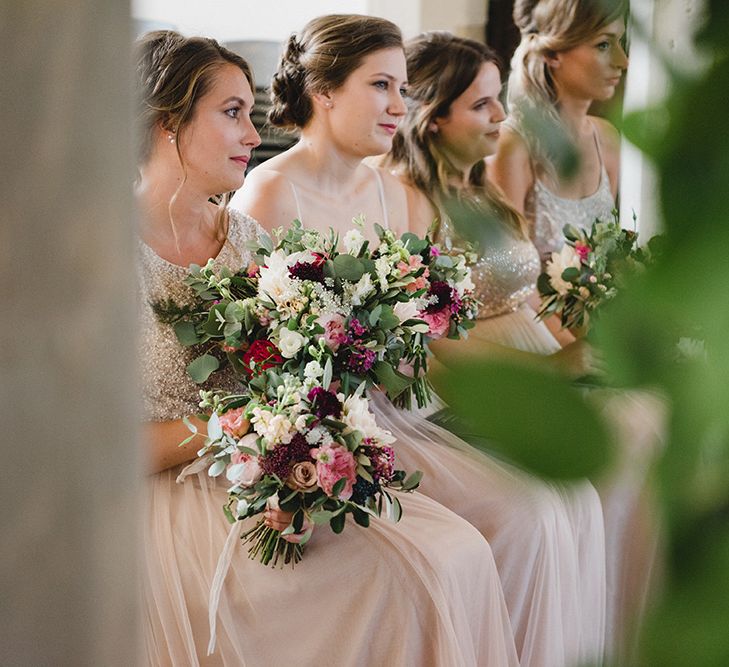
328 105
171 138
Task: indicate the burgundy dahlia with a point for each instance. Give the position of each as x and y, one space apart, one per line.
443 293
325 403
307 271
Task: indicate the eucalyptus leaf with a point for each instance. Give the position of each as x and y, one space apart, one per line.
201 368
348 268
186 334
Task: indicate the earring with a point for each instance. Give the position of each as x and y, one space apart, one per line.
328 105
171 138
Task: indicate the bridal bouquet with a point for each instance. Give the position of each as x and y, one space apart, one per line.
589 270
362 313
296 445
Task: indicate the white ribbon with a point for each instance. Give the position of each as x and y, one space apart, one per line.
220 571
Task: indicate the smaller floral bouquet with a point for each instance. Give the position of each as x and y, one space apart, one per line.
590 269
296 445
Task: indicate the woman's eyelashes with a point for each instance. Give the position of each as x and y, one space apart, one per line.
233 112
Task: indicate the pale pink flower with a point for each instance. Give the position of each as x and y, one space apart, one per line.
438 322
234 423
243 469
335 333
334 462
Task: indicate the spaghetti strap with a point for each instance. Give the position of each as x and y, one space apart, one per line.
596 136
298 205
381 191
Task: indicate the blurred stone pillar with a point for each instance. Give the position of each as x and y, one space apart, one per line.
70 475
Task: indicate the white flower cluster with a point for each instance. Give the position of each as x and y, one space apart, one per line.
565 258
357 416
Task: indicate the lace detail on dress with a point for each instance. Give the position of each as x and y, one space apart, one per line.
168 392
505 272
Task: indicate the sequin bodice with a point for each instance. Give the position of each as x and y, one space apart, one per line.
505 272
168 392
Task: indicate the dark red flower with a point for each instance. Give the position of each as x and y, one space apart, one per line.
264 354
443 293
313 271
325 403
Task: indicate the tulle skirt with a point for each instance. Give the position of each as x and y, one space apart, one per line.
424 591
547 539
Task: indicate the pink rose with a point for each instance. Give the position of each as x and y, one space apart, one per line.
333 463
334 332
582 250
243 469
438 322
234 423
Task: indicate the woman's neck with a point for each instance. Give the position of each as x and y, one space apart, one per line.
333 169
165 197
573 112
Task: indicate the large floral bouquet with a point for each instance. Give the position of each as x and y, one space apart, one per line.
590 269
366 315
297 445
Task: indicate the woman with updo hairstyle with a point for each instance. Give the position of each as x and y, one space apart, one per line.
548 539
423 591
339 86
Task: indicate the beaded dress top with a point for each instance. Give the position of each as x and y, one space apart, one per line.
168 392
505 272
548 213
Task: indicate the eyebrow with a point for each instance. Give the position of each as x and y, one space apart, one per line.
240 101
610 34
389 77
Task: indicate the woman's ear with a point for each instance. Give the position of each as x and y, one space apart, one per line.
433 126
552 59
323 99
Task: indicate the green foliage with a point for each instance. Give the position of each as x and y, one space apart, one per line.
534 418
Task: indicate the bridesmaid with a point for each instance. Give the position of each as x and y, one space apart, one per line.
570 56
438 152
548 545
424 591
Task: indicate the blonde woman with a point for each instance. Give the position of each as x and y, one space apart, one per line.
571 54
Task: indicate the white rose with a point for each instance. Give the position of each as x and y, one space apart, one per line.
560 261
465 285
290 342
313 370
353 241
406 310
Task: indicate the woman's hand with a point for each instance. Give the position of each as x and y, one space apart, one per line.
276 518
577 359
